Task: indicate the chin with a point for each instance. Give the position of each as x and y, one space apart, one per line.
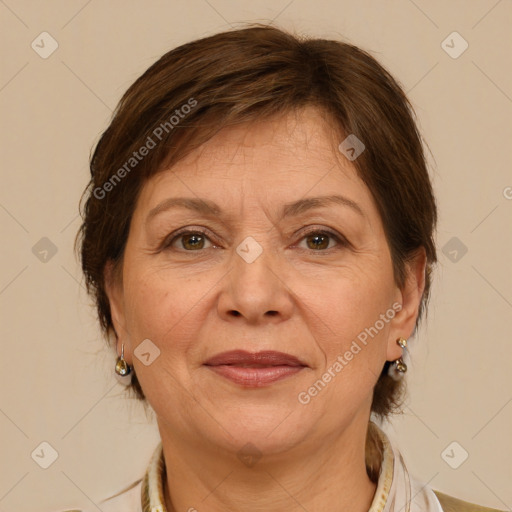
269 429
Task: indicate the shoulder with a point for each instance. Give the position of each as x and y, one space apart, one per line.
450 504
127 500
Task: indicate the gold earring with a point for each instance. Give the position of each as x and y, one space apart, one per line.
399 363
122 368
397 370
402 342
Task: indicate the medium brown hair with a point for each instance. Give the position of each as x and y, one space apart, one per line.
242 76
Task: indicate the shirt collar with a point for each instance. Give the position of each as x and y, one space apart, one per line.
152 494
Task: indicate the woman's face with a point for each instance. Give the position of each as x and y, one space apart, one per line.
262 267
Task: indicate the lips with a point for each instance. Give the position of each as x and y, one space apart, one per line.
254 360
254 370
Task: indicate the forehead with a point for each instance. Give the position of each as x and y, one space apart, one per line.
266 163
288 142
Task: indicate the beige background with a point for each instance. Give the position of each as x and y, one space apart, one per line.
56 376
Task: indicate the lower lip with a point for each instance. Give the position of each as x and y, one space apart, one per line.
255 377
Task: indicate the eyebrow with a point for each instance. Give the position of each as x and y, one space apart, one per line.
207 207
308 203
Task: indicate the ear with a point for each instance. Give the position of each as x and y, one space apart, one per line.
114 291
409 296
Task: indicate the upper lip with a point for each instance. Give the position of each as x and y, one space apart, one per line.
263 358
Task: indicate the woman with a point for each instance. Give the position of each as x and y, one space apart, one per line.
258 238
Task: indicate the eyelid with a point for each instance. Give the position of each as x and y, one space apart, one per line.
170 239
302 233
340 239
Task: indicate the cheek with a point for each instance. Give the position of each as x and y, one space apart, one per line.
355 301
165 310
356 312
354 350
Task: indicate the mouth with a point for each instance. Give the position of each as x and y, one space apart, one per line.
255 369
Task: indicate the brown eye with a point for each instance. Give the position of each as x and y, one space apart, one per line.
188 241
193 241
321 240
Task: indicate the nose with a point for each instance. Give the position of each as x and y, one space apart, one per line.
255 289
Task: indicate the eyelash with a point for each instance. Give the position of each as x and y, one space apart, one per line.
341 241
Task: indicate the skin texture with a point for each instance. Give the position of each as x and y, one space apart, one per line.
198 297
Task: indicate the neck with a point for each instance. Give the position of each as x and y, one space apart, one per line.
331 476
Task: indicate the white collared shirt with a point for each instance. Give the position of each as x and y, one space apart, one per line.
396 490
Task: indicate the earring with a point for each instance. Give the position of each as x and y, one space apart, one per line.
402 342
122 369
397 370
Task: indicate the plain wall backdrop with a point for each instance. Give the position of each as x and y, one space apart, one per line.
56 379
